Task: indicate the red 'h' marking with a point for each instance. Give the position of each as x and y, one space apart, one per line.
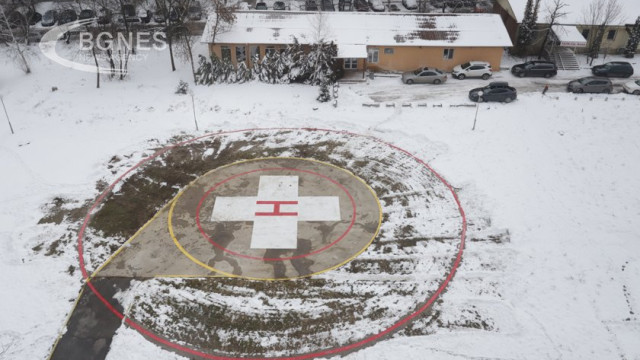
276 208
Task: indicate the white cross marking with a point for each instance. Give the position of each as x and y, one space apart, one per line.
276 211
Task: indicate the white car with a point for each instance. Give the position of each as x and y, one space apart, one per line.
481 69
376 5
632 87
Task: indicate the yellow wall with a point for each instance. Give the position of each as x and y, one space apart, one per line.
404 58
609 46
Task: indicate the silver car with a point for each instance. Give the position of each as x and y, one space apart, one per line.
424 75
590 85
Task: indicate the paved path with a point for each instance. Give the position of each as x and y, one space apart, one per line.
91 326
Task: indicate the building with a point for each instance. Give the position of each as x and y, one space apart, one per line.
367 41
574 22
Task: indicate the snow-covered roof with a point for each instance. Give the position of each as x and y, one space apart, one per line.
352 51
575 11
569 36
354 28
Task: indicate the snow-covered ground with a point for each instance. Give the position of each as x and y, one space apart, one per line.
560 172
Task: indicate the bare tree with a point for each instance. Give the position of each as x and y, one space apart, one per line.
598 15
555 11
13 43
225 17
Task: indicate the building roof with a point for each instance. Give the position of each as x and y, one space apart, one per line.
575 11
354 28
569 36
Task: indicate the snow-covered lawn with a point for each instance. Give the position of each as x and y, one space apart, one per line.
560 172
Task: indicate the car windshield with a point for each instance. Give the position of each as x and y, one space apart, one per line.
638 82
417 71
465 65
48 15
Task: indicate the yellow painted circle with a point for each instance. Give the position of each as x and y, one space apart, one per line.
224 273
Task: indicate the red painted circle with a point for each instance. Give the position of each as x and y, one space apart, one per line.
204 233
326 352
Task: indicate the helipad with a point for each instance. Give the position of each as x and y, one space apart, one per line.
263 219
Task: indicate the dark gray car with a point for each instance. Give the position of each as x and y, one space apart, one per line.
590 85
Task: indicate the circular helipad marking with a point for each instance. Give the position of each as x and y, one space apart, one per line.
206 236
413 312
277 218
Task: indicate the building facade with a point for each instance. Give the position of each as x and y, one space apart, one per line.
367 41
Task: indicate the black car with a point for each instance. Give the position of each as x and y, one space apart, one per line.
86 14
104 16
535 68
129 12
261 6
33 17
327 5
160 15
613 69
279 5
49 18
361 5
495 91
310 5
67 16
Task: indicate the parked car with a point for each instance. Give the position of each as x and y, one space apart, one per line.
361 5
49 18
632 87
177 14
279 5
613 69
495 91
160 15
480 69
67 16
376 5
410 4
393 8
104 16
262 6
130 14
33 17
424 75
590 85
86 14
535 68
327 5
144 16
195 12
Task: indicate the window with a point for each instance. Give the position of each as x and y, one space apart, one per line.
428 73
585 34
372 55
350 63
255 51
448 54
388 51
241 54
225 53
611 35
270 50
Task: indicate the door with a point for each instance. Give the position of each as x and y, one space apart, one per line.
350 63
426 77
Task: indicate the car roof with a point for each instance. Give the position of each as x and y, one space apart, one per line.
478 62
595 78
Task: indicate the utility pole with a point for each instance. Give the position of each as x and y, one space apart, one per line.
7 115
